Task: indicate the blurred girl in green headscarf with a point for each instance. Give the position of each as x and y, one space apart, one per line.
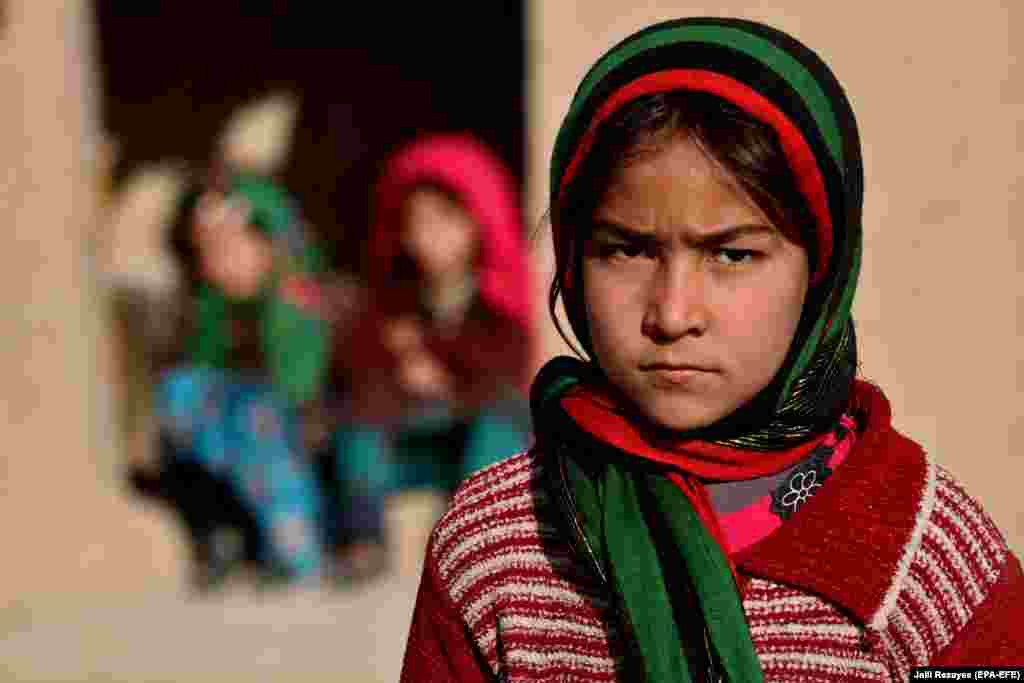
242 412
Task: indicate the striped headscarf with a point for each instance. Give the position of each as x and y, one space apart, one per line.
641 510
780 82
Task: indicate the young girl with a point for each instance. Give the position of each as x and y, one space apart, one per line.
437 364
240 412
713 495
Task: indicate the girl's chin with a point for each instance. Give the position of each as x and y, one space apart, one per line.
682 415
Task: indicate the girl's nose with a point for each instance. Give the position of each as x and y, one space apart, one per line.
677 303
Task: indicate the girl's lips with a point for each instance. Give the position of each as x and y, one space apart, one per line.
677 375
676 367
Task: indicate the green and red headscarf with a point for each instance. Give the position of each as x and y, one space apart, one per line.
646 516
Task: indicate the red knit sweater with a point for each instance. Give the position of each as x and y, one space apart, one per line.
891 565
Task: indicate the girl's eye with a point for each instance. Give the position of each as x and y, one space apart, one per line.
733 257
624 250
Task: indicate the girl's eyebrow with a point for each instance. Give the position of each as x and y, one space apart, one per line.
733 233
609 228
711 239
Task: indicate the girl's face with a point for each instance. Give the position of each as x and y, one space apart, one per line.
692 295
438 233
232 255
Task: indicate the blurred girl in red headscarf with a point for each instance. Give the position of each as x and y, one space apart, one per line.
438 362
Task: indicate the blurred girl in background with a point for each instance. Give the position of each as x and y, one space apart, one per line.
437 363
240 415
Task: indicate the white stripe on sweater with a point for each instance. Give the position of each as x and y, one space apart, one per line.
976 549
932 612
944 584
845 633
805 661
952 554
903 666
539 660
566 625
524 529
493 477
521 505
534 560
904 626
558 596
464 512
536 627
791 603
966 506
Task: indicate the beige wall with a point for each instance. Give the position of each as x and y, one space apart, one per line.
64 525
938 96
